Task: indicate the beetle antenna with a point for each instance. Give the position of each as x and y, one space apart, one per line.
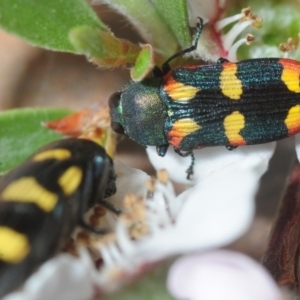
166 65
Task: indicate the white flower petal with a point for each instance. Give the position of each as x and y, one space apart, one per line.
129 180
63 277
215 212
208 160
222 275
297 144
220 208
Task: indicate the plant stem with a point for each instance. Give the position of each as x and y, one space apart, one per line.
281 257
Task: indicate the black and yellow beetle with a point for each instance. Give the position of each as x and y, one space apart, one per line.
42 200
253 101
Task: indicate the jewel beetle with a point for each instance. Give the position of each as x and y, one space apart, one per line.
253 101
43 199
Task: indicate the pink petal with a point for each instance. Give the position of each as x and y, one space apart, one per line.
222 275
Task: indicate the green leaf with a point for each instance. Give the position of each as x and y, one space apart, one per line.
143 64
22 133
47 23
102 47
175 14
149 287
143 15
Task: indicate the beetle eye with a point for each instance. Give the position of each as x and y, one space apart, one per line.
117 127
114 100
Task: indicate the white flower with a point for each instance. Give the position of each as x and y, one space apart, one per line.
217 210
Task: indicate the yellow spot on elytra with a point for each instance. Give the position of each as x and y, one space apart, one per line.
230 85
292 121
180 129
180 92
70 180
14 246
233 124
27 189
59 154
290 76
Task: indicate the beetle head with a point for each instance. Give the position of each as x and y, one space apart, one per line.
139 112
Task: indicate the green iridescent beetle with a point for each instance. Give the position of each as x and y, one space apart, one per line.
253 101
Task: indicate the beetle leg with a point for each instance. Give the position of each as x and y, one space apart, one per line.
183 154
166 65
157 72
110 207
230 148
162 150
222 60
87 226
190 170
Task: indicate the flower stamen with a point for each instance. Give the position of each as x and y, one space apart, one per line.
246 40
141 219
290 46
245 18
